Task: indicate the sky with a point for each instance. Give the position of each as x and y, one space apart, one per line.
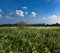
29 11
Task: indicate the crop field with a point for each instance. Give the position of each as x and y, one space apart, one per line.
30 40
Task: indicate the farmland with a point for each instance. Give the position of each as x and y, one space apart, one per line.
30 40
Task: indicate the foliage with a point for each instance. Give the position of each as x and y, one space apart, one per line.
16 40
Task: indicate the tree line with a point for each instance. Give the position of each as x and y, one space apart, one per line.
21 24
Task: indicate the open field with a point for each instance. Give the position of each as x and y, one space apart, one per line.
45 27
30 40
53 27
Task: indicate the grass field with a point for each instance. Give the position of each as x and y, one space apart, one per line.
30 40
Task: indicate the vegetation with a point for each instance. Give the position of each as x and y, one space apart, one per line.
23 24
26 40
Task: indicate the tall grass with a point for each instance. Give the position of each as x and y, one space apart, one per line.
26 40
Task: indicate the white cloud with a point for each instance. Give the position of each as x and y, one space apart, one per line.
26 13
11 13
8 17
20 13
50 19
33 14
0 15
1 11
54 19
24 7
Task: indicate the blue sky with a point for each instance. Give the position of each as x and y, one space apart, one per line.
29 11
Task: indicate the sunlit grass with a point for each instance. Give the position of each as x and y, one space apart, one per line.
30 40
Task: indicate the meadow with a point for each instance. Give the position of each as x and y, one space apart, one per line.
30 40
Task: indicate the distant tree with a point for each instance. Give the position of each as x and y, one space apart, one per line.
21 24
43 24
57 23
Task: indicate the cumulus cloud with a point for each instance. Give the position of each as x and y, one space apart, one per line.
33 14
8 17
50 19
11 13
26 13
54 19
20 13
24 7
